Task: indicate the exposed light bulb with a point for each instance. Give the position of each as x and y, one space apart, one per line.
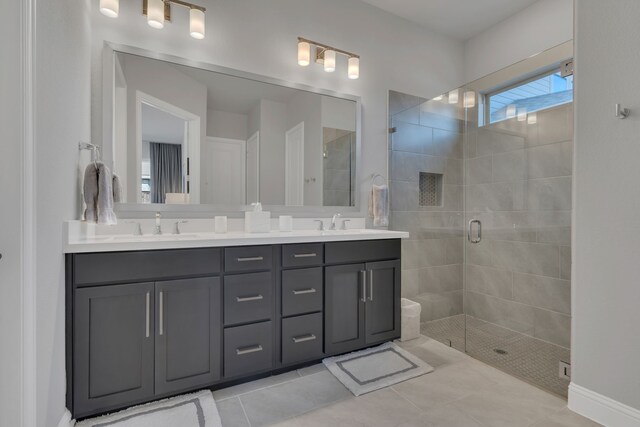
532 119
353 67
155 13
453 96
196 23
522 114
329 61
110 8
511 111
304 53
469 99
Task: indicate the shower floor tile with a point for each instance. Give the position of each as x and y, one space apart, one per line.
523 356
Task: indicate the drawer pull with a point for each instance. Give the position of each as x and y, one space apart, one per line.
251 298
252 258
304 338
247 350
304 291
309 255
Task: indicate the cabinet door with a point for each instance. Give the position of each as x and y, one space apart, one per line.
188 327
344 308
113 347
383 301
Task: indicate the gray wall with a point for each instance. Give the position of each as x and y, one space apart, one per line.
428 138
11 218
606 295
62 82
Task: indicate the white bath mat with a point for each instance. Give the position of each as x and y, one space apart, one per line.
375 368
189 410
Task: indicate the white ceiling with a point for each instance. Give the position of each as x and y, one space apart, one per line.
460 19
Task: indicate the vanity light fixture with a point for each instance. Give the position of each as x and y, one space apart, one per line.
511 111
159 11
110 8
453 96
522 114
469 100
327 56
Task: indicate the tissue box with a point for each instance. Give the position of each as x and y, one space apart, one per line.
257 222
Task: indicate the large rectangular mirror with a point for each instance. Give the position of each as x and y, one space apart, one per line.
185 134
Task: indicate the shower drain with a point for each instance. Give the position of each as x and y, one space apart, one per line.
500 351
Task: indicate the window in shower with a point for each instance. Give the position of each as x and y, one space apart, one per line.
527 97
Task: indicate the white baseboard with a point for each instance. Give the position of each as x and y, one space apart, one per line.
602 409
66 420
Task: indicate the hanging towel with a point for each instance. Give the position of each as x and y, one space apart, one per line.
105 196
117 189
379 205
90 192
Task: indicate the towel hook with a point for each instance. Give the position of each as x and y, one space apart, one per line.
621 113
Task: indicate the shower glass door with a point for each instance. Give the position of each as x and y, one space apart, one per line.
517 202
481 179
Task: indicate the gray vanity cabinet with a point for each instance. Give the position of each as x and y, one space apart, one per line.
188 343
362 305
344 308
113 346
382 309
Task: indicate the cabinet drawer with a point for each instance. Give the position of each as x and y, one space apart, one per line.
362 251
114 267
247 258
302 291
304 255
302 338
248 298
248 349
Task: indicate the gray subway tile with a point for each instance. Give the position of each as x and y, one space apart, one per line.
490 281
543 292
550 160
523 257
553 327
549 194
565 262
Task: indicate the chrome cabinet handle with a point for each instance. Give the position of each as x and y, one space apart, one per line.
304 338
161 315
147 317
247 350
309 255
370 285
251 298
470 231
364 285
253 258
304 291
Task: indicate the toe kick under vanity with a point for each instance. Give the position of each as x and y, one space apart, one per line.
143 324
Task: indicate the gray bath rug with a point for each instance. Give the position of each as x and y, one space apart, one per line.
189 410
375 368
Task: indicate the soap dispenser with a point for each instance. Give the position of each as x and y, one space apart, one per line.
257 220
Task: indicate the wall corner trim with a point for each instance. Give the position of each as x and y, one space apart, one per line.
602 409
66 420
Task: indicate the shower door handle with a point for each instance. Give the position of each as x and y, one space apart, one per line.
470 232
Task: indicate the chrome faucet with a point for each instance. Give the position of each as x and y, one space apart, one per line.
333 221
157 229
176 226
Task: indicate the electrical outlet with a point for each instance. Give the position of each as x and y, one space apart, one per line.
564 370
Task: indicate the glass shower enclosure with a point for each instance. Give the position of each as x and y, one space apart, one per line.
481 178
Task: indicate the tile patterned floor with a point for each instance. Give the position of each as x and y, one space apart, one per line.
528 358
461 392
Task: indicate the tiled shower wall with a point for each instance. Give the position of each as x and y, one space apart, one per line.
428 139
338 168
518 183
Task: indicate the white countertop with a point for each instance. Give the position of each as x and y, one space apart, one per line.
129 242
